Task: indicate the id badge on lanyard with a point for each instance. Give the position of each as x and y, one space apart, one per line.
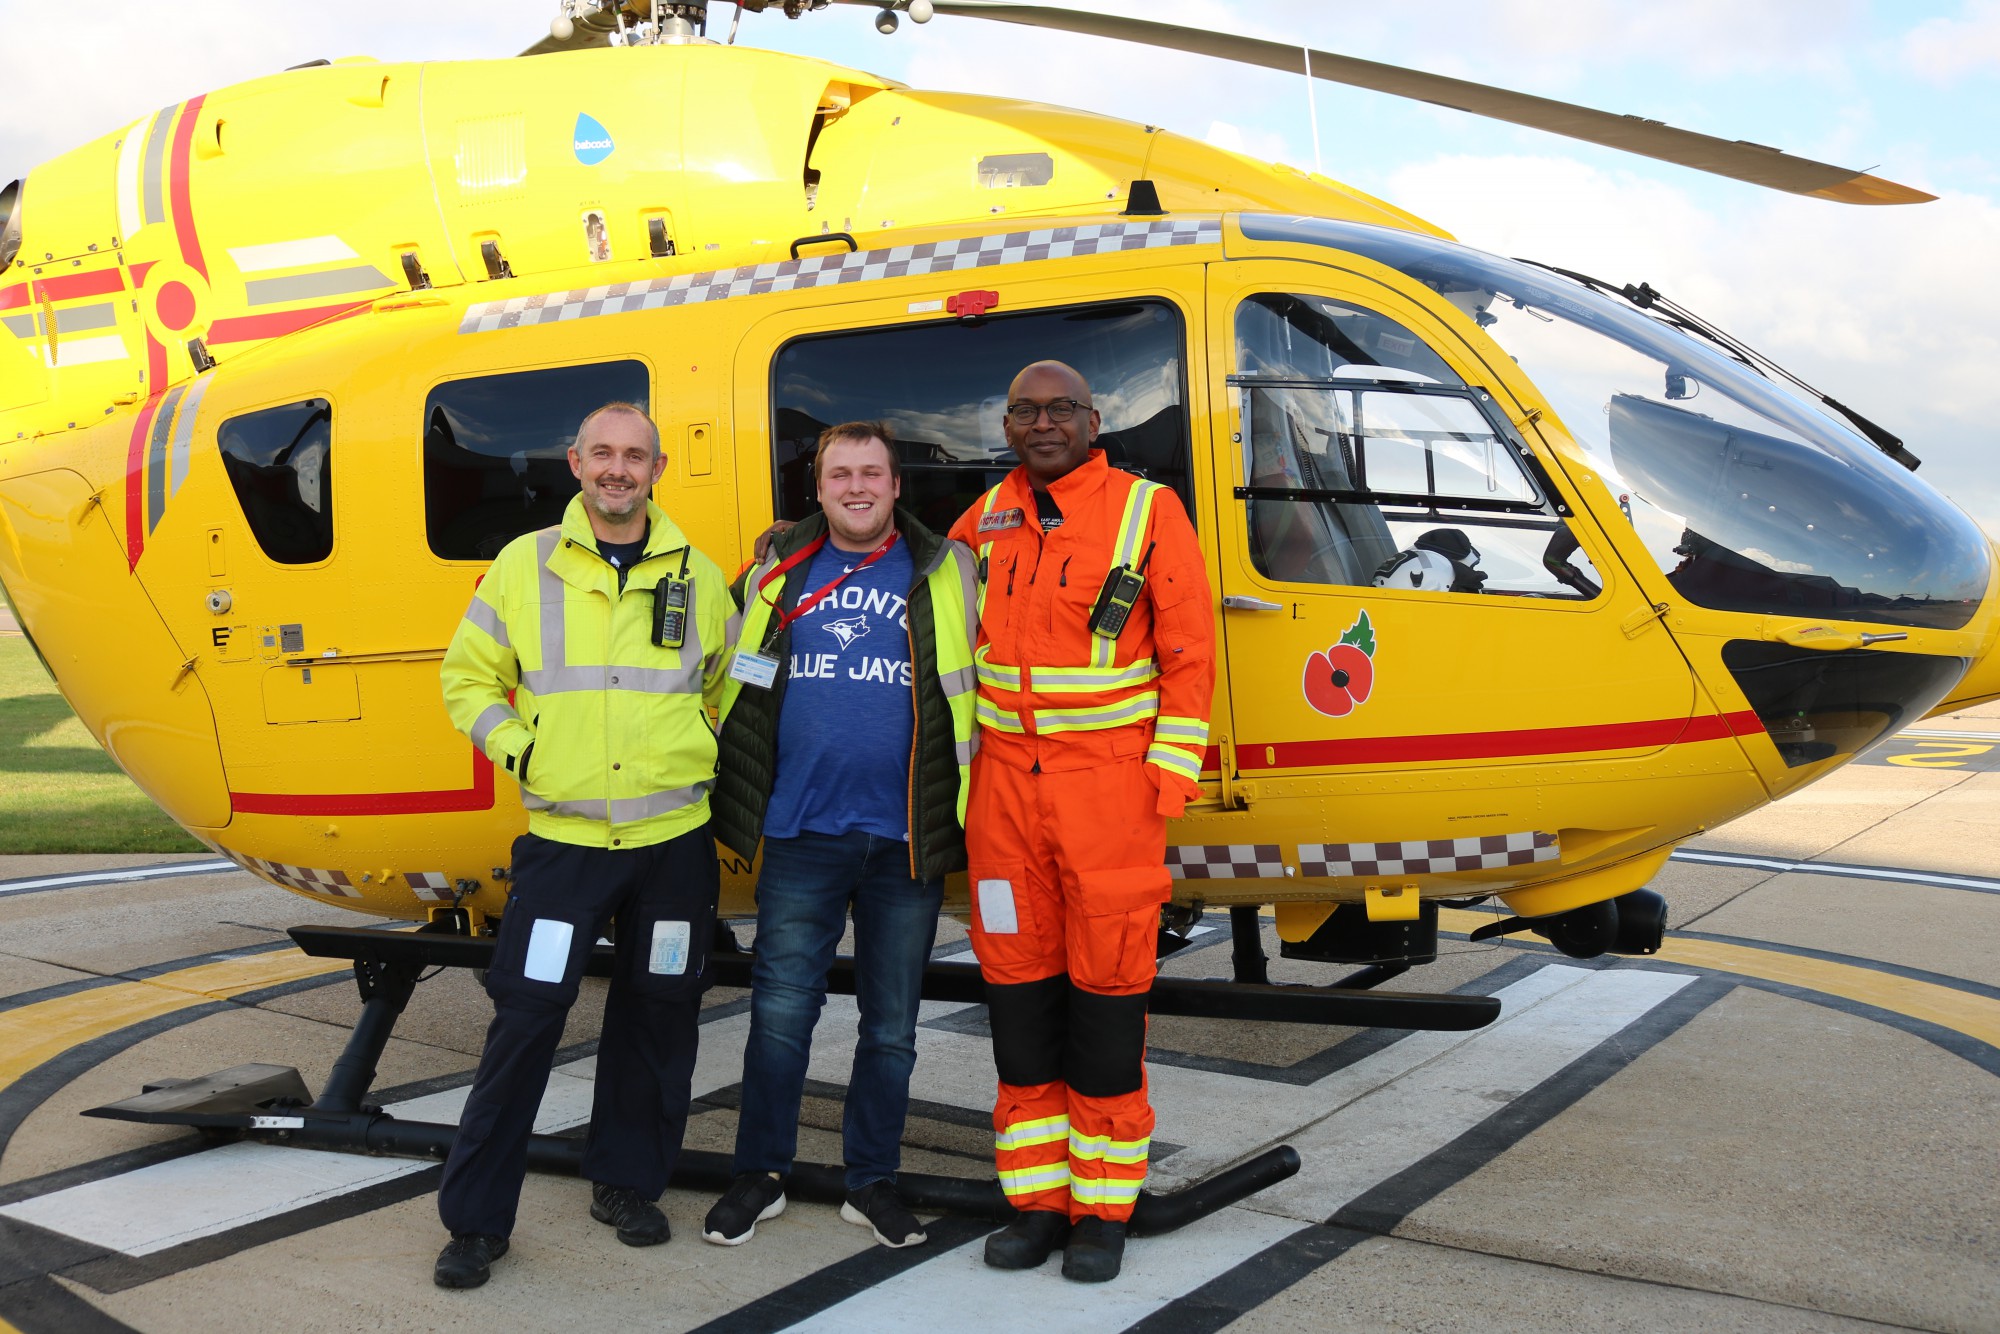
759 668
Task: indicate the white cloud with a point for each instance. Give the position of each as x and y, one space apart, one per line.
1943 50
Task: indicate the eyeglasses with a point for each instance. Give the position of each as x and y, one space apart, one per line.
1060 410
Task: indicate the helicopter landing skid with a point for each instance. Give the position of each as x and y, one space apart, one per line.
270 1102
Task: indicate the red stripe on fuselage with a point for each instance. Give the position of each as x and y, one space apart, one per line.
1651 734
478 797
247 328
71 286
13 298
135 482
177 188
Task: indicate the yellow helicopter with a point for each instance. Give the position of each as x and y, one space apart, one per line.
1520 579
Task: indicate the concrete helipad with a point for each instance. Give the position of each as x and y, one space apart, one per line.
1788 1120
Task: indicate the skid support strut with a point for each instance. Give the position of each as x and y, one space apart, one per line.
272 1102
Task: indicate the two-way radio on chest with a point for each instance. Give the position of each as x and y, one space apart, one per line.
671 599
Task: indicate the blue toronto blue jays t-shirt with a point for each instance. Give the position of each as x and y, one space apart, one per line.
849 714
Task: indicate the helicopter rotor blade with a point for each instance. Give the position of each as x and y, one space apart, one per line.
1739 159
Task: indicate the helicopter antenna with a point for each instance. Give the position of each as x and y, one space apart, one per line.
1650 299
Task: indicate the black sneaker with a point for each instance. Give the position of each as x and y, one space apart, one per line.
638 1220
751 1199
467 1259
1028 1240
876 1205
1096 1250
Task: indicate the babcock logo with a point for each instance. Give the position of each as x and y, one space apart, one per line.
593 141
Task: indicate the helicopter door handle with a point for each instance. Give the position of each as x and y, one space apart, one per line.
1242 602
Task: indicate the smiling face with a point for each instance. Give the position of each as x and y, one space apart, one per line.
1050 449
617 460
858 491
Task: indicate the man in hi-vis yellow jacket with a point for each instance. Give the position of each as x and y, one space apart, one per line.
581 668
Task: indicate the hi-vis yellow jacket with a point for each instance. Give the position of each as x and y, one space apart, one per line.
607 733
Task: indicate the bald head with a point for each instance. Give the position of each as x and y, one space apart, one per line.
1050 449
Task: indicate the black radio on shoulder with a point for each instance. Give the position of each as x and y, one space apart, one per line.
671 597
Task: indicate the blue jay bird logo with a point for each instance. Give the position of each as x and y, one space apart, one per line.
848 629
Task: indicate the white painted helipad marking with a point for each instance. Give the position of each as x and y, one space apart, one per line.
958 1292
170 1203
118 876
1361 1126
1402 1120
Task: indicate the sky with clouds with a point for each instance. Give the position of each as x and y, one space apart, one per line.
1895 311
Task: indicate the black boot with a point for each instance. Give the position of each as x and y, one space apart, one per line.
1027 1241
1095 1251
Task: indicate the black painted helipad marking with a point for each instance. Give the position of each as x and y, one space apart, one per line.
1380 1210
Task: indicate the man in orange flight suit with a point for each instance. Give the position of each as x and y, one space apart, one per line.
1088 743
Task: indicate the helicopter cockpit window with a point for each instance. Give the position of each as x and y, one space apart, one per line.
943 388
279 462
1749 497
496 450
1369 462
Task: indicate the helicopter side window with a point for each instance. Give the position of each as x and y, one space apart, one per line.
1398 485
1369 462
496 447
279 462
942 386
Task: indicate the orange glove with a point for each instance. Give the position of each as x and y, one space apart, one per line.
1176 791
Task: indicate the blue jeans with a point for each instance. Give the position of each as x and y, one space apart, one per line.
803 897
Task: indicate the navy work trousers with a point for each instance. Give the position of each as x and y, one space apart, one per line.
663 901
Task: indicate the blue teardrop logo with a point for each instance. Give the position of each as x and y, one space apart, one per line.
593 141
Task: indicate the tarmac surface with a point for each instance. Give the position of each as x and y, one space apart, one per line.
1785 1121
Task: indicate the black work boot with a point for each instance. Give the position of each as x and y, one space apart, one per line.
1028 1240
638 1220
1095 1251
467 1259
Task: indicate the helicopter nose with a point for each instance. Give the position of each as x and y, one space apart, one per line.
1981 683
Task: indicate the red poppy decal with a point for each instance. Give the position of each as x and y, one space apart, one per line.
1340 678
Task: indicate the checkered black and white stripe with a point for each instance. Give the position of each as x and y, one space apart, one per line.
1431 856
333 884
1225 861
971 252
430 884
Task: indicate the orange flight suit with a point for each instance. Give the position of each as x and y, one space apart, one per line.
1086 747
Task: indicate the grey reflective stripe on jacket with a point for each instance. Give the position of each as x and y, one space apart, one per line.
555 676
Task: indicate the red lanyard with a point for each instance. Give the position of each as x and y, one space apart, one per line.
812 599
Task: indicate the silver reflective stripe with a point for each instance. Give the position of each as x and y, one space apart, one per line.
1094 678
550 592
1142 505
967 749
492 716
1166 731
963 681
625 810
968 578
732 630
1145 706
647 680
482 614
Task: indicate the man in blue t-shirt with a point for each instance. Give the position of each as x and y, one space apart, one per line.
838 750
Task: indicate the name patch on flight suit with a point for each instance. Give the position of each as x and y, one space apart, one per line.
999 519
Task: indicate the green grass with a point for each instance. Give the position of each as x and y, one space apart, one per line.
59 792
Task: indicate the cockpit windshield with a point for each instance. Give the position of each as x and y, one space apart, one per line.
1749 498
